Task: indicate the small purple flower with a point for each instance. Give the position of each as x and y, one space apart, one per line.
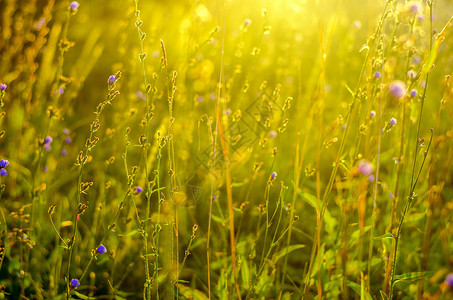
138 189
60 91
272 134
397 89
48 140
47 147
449 280
45 169
3 87
74 283
372 114
74 5
38 25
392 121
4 163
247 22
371 178
413 7
214 197
273 175
140 95
68 140
365 167
228 112
411 74
101 249
200 99
64 152
3 172
112 79
416 59
377 75
66 131
413 93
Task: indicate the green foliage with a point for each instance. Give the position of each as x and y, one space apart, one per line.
226 149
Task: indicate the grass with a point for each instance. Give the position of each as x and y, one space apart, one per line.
237 150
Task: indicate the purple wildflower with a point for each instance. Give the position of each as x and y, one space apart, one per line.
74 283
397 89
66 131
3 87
47 147
38 25
413 7
74 5
372 114
365 167
4 163
273 175
112 79
377 75
449 280
3 172
138 189
48 140
101 249
413 93
64 152
411 74
392 121
140 95
272 134
68 140
228 112
45 169
371 178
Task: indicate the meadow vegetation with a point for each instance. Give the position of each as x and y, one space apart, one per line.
226 149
